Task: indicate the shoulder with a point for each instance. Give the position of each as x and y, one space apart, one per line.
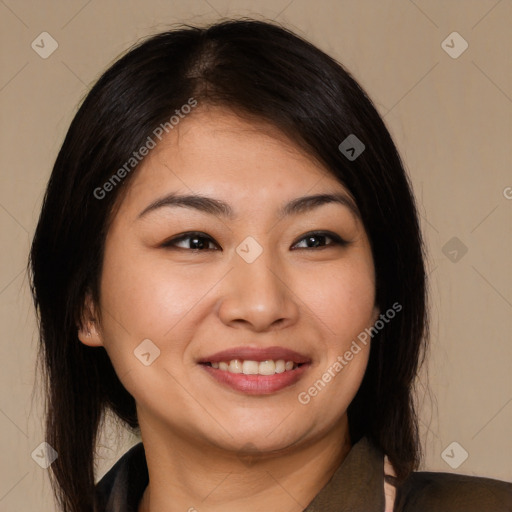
449 492
121 488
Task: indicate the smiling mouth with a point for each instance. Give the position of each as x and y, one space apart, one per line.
250 367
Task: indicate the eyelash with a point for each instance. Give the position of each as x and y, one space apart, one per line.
336 240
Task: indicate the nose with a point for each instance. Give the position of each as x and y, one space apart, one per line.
258 296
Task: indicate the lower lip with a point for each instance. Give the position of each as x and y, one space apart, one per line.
257 384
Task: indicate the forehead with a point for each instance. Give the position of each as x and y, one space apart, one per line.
238 160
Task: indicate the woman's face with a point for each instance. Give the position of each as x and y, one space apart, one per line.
257 285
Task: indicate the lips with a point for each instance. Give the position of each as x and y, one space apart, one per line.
262 381
256 354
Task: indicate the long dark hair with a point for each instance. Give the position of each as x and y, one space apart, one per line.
258 69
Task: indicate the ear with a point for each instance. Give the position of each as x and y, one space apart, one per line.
89 332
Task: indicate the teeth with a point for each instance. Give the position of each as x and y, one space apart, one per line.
235 366
250 367
280 366
268 367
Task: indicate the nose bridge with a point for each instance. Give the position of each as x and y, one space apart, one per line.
261 276
256 291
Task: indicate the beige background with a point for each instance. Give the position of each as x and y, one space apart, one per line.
451 119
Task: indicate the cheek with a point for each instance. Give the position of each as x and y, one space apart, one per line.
148 295
342 297
147 298
329 393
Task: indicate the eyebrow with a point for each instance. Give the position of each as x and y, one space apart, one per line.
220 208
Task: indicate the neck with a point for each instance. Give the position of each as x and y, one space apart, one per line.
186 476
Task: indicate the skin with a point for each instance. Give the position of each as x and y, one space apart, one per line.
191 304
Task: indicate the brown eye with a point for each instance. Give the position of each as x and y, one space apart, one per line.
193 241
200 242
318 239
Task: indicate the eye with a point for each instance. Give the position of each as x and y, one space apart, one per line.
315 239
197 241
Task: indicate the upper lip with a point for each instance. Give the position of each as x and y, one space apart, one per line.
256 354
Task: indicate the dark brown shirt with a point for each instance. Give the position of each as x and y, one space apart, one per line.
356 486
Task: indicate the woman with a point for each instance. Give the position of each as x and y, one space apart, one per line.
229 258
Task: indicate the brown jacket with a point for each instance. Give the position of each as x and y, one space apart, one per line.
356 486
